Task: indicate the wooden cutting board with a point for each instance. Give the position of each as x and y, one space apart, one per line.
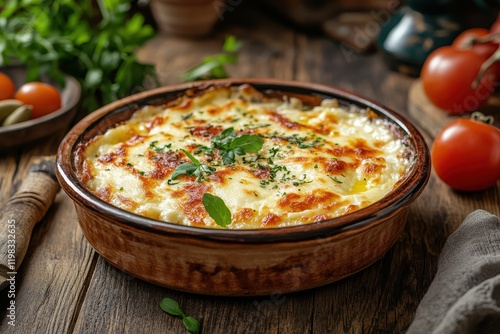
432 119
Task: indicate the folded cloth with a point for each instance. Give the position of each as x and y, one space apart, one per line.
464 296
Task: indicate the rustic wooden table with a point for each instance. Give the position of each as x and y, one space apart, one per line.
64 286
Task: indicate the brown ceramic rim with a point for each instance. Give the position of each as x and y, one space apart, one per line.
402 196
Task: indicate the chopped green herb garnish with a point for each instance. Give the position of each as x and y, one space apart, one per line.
301 181
273 151
334 178
153 146
304 142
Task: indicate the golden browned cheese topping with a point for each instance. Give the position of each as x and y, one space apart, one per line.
313 163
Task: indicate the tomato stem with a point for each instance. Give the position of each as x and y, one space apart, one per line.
480 117
485 66
481 40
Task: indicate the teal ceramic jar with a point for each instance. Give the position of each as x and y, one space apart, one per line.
416 30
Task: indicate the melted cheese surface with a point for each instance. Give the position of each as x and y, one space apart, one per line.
315 164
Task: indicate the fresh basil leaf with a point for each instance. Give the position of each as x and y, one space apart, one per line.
228 157
223 140
216 209
231 44
171 307
249 143
212 67
191 157
228 133
184 169
191 324
201 71
230 145
204 149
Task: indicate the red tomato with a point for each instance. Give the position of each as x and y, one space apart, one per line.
43 97
465 38
7 87
466 155
447 77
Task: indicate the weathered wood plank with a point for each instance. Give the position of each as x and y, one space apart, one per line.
51 277
65 287
53 273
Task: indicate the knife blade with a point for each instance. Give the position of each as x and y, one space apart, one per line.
22 212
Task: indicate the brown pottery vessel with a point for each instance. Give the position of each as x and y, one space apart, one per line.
241 262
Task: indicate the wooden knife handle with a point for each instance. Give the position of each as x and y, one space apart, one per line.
20 215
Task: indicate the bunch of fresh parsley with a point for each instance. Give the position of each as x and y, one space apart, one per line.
93 40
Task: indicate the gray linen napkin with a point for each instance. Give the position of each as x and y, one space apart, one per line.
464 296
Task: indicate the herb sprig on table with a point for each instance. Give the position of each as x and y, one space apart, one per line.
94 41
173 308
213 66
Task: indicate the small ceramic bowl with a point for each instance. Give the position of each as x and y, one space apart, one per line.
240 262
193 18
29 131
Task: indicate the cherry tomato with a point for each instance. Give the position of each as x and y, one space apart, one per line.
447 77
466 155
7 87
43 97
464 40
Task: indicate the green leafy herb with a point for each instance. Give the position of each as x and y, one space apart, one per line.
157 149
301 181
334 178
194 168
213 67
302 142
216 209
191 324
273 151
230 145
172 307
248 143
95 44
